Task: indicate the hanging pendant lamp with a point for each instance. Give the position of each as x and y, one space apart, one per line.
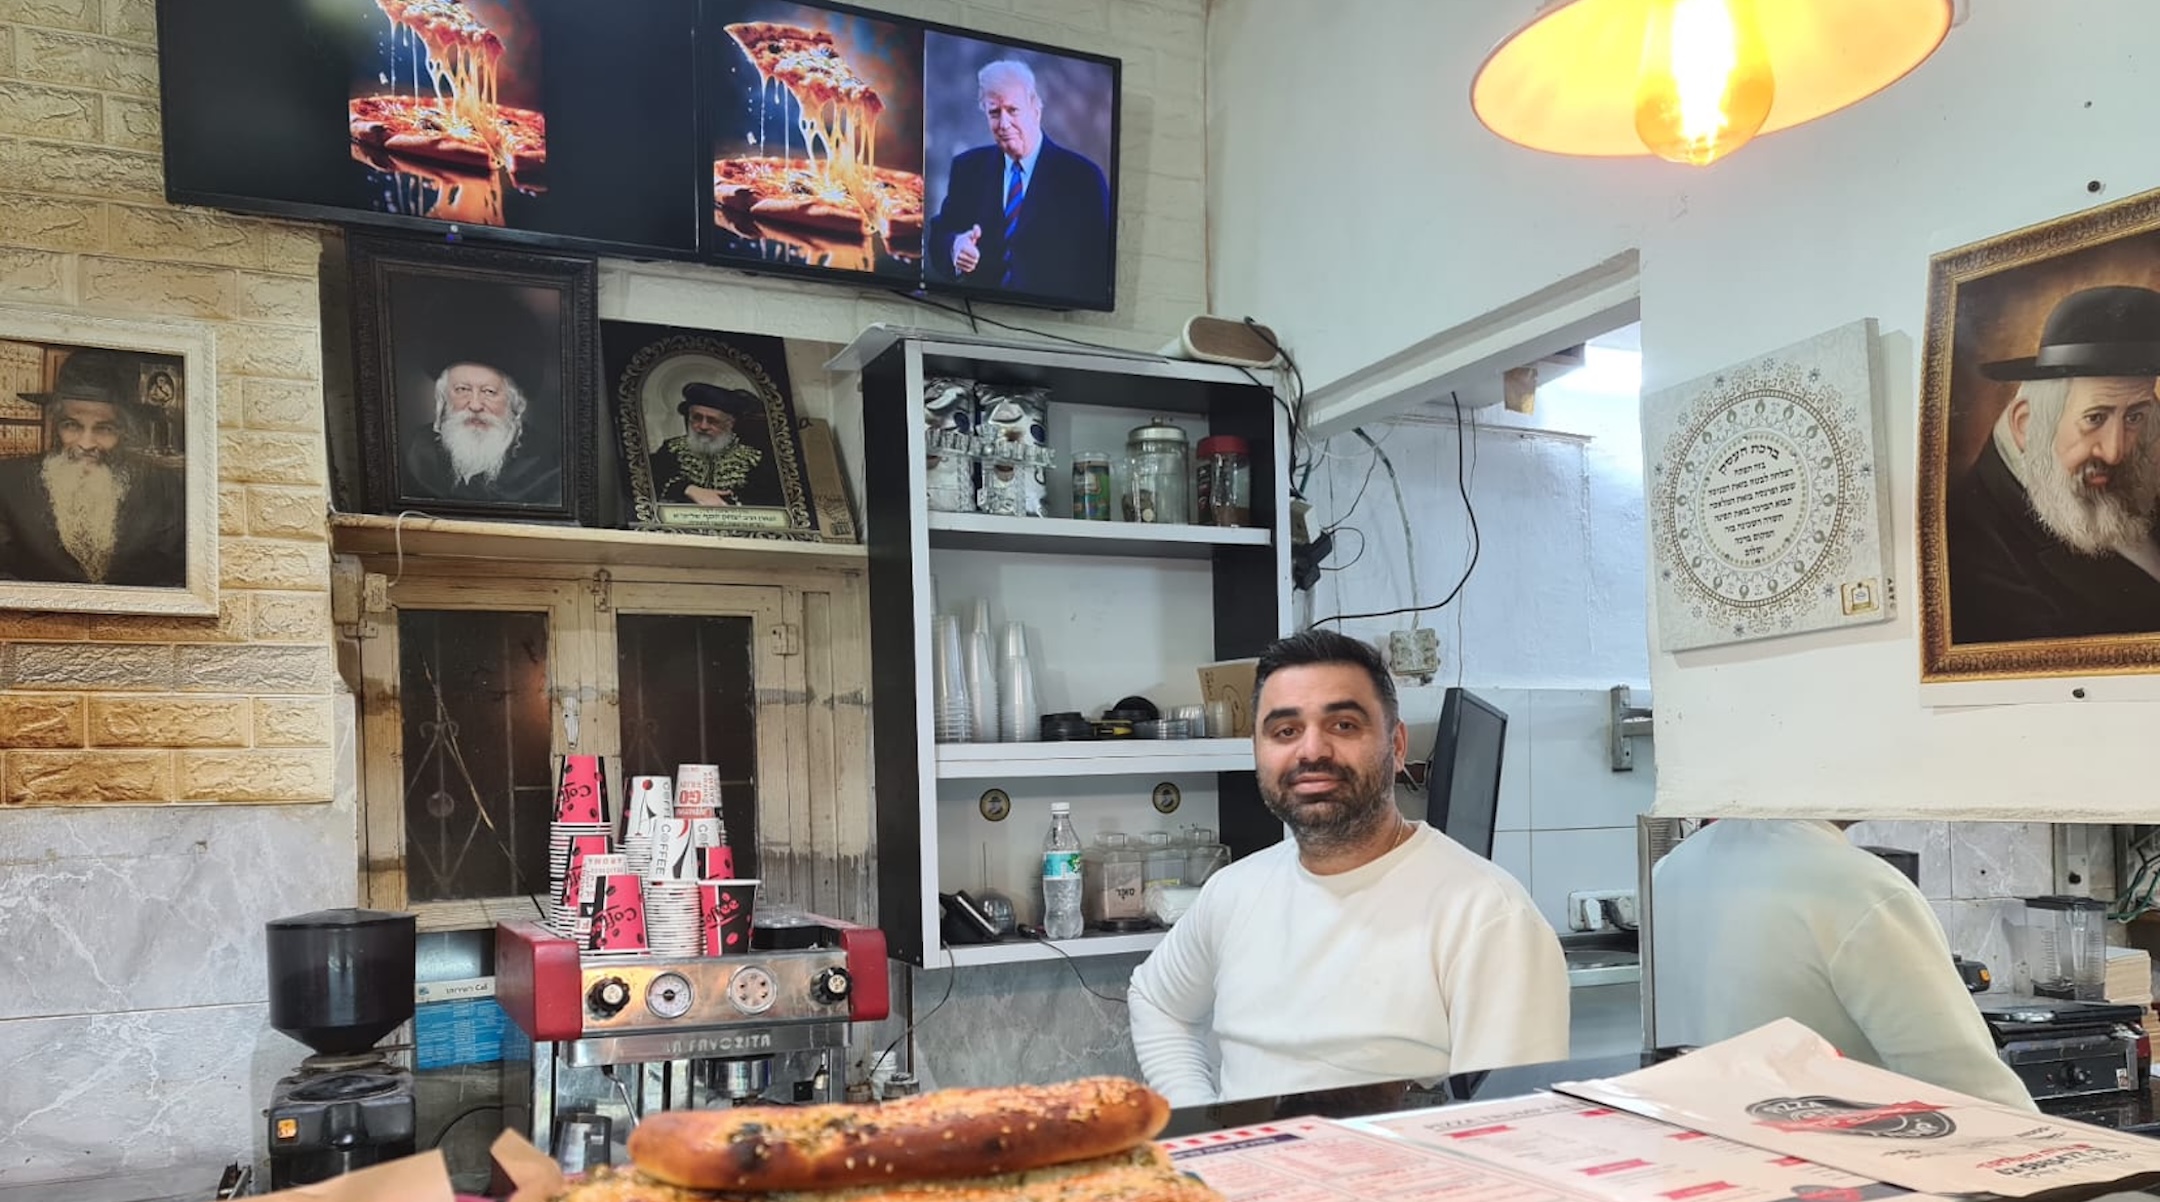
1693 80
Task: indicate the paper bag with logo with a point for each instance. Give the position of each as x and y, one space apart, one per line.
422 1178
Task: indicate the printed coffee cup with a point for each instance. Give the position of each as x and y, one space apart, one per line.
724 914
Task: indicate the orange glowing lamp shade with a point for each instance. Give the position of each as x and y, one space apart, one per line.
1693 80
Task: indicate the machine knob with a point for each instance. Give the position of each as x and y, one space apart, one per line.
830 988
2079 1075
607 997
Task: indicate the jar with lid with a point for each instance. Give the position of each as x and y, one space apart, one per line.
1203 855
1158 473
1223 476
1091 486
1111 873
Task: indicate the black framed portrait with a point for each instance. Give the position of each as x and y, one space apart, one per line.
709 436
477 376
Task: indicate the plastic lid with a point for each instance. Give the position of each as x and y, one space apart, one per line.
1158 430
1224 444
1060 807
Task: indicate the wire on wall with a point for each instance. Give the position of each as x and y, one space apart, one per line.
1477 542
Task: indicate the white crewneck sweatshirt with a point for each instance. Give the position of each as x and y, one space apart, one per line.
1756 920
1426 962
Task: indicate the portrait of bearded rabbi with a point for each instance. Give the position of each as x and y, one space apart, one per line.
492 410
711 462
2051 533
94 508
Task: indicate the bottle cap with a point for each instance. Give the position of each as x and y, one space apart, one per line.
1060 807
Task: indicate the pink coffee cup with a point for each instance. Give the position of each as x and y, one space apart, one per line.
619 913
716 863
724 914
578 798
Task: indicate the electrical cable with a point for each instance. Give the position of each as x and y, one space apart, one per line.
951 968
1045 941
1403 509
1476 539
1372 464
444 1133
1461 651
1362 543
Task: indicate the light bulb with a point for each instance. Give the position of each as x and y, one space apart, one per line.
1704 87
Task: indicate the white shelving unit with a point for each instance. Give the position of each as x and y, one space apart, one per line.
1112 608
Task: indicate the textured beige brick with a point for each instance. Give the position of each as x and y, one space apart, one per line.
291 299
133 20
75 777
230 625
1064 12
256 563
189 235
85 15
255 775
132 124
49 56
169 722
292 617
49 223
289 247
35 721
81 170
288 513
259 457
41 275
16 626
255 669
292 722
85 666
231 510
48 112
281 404
285 352
135 286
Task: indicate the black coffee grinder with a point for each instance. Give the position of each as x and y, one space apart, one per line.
340 980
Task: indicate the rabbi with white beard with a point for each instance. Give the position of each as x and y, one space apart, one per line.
92 509
709 463
2051 533
473 449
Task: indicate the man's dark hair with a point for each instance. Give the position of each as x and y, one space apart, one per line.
1313 647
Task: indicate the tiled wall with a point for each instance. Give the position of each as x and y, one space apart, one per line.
1973 873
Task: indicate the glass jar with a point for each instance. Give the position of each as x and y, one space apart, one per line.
1091 486
1165 860
1223 477
1111 875
1158 467
1203 855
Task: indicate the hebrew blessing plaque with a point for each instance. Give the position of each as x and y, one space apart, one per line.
1768 510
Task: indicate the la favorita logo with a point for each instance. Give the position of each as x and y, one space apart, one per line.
1836 1116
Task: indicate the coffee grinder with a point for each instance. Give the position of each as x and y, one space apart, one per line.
340 980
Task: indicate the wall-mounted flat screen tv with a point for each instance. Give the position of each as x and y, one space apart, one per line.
566 122
909 155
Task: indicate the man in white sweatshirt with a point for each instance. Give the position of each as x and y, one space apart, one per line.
1371 948
1755 920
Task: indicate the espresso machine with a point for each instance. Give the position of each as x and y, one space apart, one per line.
340 980
613 1038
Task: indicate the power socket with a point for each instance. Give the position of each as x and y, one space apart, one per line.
1414 654
1586 909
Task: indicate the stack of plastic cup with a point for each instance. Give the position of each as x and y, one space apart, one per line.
1019 716
955 712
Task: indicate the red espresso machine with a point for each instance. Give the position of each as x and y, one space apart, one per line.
613 1038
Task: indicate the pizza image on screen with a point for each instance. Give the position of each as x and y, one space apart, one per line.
437 113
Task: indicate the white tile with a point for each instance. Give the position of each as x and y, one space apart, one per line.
1511 851
2001 859
1930 839
1562 862
1982 930
1572 783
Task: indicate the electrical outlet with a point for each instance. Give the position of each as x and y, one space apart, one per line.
1587 909
1414 653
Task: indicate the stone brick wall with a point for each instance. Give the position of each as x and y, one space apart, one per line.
124 709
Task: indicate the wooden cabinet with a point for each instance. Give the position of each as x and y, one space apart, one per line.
1112 609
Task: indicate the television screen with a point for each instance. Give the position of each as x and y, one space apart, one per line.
813 117
1462 777
561 120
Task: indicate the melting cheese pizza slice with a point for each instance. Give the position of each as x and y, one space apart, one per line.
839 126
463 123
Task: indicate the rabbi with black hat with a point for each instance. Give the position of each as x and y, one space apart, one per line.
708 464
2051 533
478 442
93 509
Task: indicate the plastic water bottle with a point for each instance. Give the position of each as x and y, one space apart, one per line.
1061 875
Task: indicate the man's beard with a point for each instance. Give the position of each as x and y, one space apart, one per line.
478 443
707 444
2092 520
1361 803
86 494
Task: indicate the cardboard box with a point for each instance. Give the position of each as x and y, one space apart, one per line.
1231 681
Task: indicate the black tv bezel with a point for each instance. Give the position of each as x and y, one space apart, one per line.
1447 735
924 287
447 231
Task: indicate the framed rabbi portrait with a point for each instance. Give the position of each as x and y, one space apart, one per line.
477 374
2039 481
708 430
108 465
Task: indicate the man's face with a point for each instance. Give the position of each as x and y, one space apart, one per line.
479 396
1326 753
2091 479
2101 425
1015 114
710 423
89 431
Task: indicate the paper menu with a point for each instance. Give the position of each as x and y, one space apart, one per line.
1784 1089
1317 1160
1597 1152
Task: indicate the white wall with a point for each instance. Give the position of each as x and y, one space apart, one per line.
1791 236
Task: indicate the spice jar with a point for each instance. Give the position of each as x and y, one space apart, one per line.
1091 486
1224 478
1157 465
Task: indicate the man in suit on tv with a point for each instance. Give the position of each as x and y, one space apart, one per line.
1025 214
